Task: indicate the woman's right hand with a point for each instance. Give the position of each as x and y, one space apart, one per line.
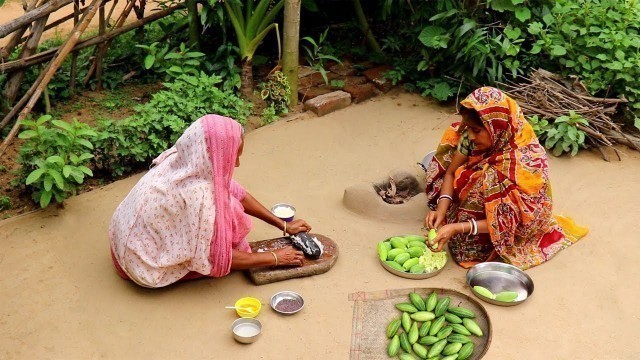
435 219
288 256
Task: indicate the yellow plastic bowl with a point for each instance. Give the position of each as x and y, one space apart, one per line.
248 307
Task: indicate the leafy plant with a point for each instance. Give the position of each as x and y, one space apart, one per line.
171 62
315 54
275 92
5 201
269 114
336 83
54 156
395 75
156 125
597 40
224 65
540 126
437 88
565 136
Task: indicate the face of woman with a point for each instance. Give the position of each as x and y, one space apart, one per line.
240 152
478 135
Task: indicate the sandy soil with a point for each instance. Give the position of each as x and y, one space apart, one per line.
61 298
13 9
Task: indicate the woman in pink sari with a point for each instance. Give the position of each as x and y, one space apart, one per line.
187 218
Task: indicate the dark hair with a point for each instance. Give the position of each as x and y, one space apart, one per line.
471 115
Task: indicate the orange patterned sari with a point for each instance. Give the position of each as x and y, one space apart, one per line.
507 185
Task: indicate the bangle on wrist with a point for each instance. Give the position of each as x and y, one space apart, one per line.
444 197
275 257
475 227
284 229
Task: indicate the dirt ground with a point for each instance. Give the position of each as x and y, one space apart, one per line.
61 298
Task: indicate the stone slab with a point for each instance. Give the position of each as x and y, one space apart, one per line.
310 267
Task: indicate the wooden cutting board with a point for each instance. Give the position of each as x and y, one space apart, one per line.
266 275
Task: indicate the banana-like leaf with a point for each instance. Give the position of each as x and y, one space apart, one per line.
271 15
240 34
253 45
253 22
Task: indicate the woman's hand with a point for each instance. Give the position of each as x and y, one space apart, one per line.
445 234
435 219
297 226
289 256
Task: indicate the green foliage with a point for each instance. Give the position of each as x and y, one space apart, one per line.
563 135
252 20
224 65
275 92
171 62
597 40
269 115
156 125
54 157
437 88
540 126
5 201
335 83
316 54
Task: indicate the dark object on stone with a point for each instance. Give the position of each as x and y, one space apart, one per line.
310 246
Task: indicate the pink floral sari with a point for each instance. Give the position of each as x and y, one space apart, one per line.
185 215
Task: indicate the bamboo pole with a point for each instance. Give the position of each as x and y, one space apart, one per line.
50 70
46 55
104 46
12 88
31 16
100 54
16 37
74 55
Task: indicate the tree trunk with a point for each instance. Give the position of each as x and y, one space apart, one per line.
194 24
364 26
291 53
246 87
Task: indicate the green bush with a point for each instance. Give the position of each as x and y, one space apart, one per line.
597 40
157 124
54 158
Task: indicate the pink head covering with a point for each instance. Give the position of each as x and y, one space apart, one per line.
223 136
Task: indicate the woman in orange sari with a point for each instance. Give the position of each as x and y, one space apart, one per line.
488 188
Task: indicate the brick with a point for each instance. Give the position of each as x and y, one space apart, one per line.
376 76
310 93
360 92
327 103
315 79
344 69
354 80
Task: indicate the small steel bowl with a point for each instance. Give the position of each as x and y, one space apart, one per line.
498 277
246 330
286 295
283 205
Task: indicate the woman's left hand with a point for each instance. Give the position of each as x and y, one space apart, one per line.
445 234
297 226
